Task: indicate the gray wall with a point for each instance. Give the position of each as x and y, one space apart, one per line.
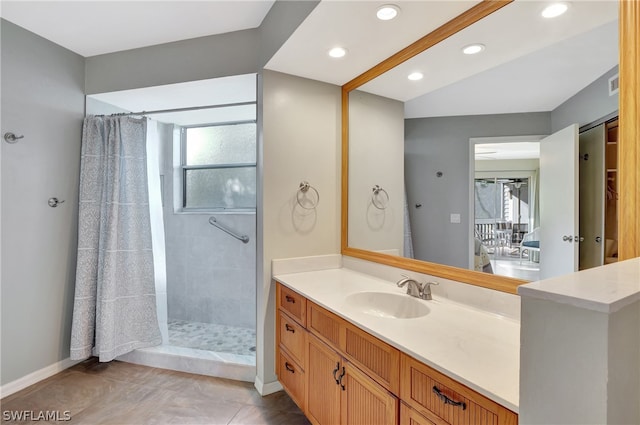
281 21
442 144
588 105
234 53
188 60
43 99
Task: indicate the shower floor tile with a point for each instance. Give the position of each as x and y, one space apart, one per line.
212 337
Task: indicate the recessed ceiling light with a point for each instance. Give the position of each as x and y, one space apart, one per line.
415 76
387 12
337 52
555 10
472 49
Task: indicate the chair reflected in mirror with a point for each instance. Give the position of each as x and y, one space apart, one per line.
530 243
482 261
504 235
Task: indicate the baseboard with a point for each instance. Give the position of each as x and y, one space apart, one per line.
35 377
268 388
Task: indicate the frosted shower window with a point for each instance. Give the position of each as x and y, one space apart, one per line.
219 167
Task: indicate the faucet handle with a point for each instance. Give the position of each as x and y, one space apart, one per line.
426 290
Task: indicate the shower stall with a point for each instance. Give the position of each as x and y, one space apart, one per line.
202 149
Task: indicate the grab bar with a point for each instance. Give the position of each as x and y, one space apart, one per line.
214 222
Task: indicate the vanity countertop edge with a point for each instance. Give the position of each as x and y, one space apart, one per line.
477 348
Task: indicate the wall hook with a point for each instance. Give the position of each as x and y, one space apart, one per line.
10 137
54 202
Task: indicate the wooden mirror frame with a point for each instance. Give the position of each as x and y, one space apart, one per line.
628 144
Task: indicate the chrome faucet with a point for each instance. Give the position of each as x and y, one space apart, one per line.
415 288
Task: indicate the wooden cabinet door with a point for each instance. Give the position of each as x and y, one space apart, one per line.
323 392
408 416
365 402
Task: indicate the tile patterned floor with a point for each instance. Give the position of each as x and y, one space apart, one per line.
127 394
212 337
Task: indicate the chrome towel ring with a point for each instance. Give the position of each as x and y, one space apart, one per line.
380 198
303 196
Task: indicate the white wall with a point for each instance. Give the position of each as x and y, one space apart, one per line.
300 141
578 366
376 157
42 99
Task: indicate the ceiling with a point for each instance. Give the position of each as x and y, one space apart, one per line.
520 71
92 28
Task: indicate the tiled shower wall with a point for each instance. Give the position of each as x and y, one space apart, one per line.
210 275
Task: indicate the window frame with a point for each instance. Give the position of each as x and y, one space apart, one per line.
184 168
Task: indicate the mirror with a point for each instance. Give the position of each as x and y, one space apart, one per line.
388 142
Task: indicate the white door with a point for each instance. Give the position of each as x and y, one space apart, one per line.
559 203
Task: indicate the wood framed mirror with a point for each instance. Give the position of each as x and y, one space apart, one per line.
628 149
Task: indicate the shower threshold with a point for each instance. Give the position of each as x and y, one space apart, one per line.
202 348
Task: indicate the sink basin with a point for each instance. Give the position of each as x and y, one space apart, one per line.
385 304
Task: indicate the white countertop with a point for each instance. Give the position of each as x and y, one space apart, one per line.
605 289
477 348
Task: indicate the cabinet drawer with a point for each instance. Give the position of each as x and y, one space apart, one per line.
292 337
445 401
325 324
293 303
377 358
291 376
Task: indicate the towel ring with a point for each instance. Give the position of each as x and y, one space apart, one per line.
378 200
301 196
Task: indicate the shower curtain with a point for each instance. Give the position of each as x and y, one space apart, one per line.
408 237
115 302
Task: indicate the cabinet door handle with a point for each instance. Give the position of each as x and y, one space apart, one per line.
290 299
447 400
336 371
289 328
340 378
289 368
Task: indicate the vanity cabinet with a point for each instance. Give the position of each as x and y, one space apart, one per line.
339 393
339 374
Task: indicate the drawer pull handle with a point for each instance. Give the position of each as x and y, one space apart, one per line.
289 328
447 400
336 371
340 378
289 368
290 299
